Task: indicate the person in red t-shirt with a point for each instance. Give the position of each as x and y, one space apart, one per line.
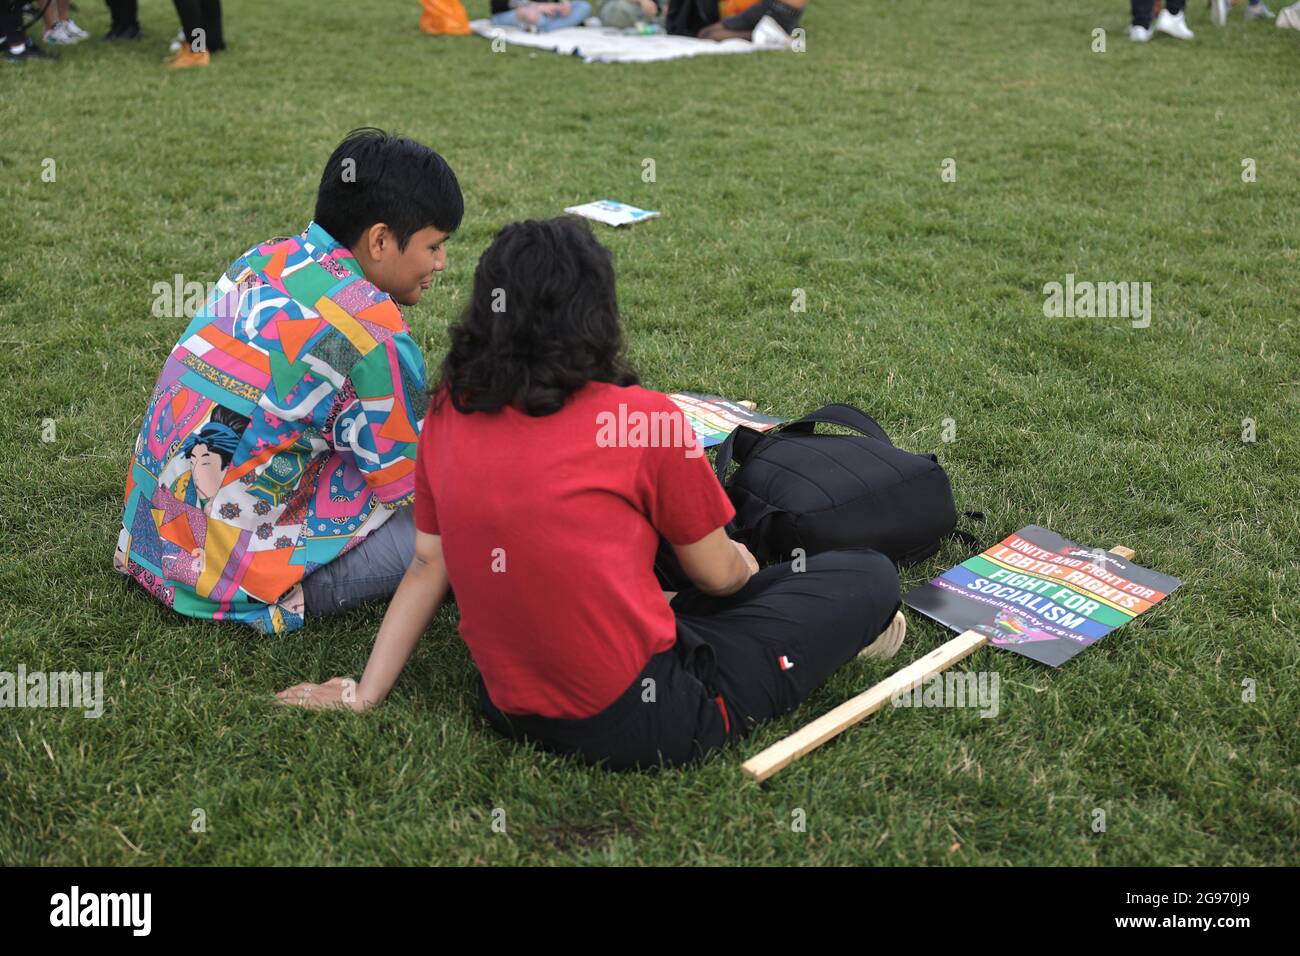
547 481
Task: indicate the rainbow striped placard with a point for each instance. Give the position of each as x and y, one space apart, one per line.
1041 595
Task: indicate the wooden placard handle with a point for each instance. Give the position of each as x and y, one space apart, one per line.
811 736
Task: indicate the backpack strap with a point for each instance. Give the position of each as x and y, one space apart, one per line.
846 416
739 444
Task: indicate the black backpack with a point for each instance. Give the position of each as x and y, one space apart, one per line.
798 489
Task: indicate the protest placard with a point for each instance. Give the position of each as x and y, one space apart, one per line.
1041 595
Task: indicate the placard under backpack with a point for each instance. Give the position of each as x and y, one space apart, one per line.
714 417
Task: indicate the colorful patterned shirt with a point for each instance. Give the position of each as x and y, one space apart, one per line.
281 432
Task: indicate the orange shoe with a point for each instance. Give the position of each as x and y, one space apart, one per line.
186 58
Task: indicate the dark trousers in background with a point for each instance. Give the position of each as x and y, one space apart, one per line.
202 15
1141 10
739 660
688 17
124 14
11 23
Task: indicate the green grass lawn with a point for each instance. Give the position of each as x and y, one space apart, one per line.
817 171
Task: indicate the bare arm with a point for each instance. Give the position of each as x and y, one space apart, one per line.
715 564
418 597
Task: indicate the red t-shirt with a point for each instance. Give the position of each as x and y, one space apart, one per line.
549 529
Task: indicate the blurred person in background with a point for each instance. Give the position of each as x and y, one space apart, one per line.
125 17
1170 21
60 30
786 13
201 34
539 17
626 14
17 48
1255 10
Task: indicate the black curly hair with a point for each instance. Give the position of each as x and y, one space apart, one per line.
541 322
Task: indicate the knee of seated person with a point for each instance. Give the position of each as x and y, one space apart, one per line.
875 572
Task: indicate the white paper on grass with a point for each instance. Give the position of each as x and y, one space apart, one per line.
611 212
614 46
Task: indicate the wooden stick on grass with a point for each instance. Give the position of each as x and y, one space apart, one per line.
811 736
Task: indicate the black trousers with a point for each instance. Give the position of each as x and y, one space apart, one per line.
688 17
202 15
11 23
124 13
1141 10
738 661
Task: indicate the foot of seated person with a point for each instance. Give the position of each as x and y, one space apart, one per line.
717 31
890 640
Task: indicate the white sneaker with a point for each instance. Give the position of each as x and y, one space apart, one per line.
1289 18
1174 24
890 640
177 43
72 29
1257 10
1139 34
58 36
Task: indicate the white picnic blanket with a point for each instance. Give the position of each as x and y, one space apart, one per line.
603 45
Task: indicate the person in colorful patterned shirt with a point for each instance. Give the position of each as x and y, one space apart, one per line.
274 472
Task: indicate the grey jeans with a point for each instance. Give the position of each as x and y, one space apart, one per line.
369 572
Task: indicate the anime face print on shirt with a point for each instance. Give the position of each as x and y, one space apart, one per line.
209 451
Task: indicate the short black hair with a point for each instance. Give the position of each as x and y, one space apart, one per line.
375 177
541 323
